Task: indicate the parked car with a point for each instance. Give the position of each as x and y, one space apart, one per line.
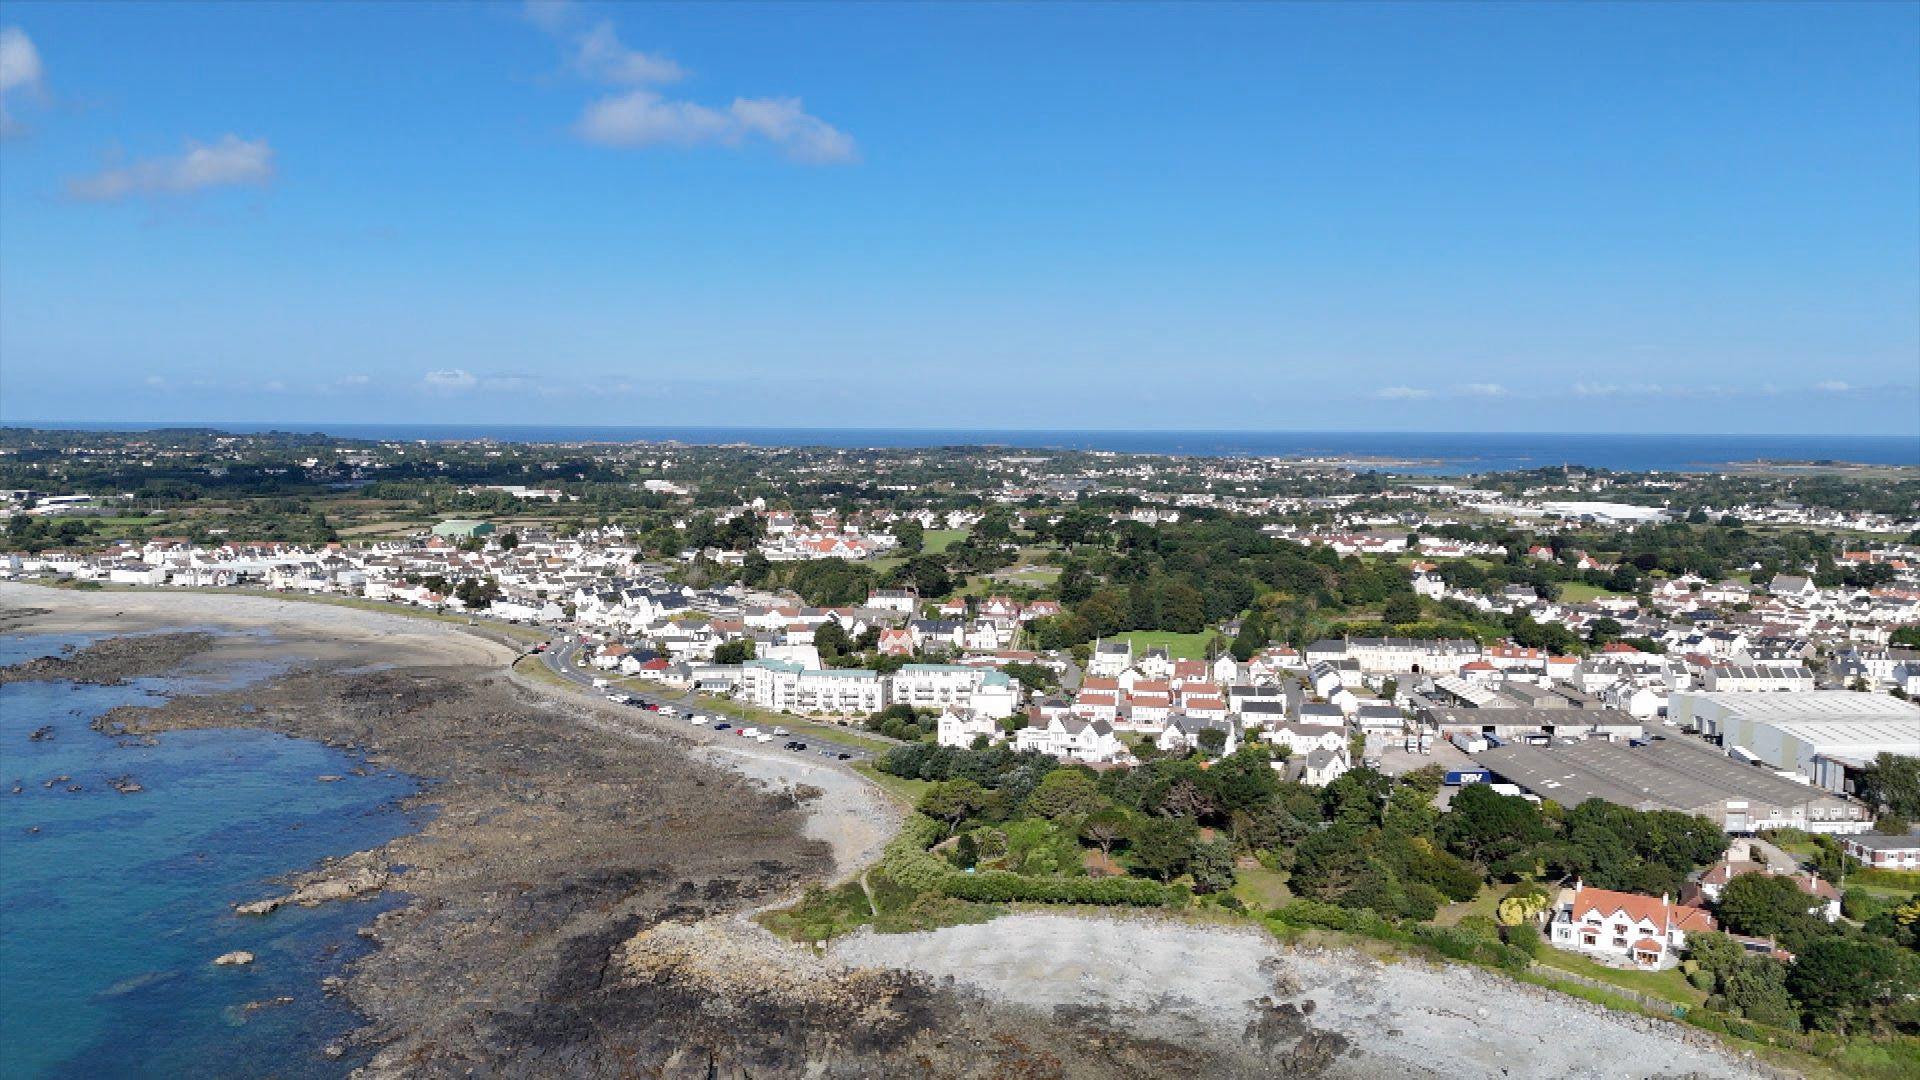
842 756
764 737
781 731
650 706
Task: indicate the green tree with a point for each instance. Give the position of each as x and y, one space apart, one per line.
952 801
1065 793
830 638
911 534
1106 827
1212 866
1487 827
1891 783
1164 846
1761 905
733 652
1250 639
1401 608
1842 982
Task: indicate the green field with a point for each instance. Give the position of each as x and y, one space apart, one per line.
939 540
1579 592
900 787
1178 646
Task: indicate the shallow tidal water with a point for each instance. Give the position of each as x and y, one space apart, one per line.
113 906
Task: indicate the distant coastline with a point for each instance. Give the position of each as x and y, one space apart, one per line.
1423 453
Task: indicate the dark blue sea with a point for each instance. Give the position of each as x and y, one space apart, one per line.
1439 453
112 906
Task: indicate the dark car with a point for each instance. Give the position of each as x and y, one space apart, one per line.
721 727
842 757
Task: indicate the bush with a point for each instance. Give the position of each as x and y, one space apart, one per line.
907 860
1002 888
1525 937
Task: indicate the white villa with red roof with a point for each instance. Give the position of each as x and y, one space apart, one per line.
1626 928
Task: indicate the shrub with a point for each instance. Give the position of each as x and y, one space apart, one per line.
1002 888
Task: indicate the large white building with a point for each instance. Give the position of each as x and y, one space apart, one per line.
1819 734
981 691
788 687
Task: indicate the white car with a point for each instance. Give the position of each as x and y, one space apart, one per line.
696 719
781 731
763 737
668 710
750 732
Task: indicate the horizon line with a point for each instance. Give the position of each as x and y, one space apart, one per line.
309 426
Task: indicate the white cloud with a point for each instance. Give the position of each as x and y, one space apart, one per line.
354 380
20 69
1484 389
644 118
229 162
1833 386
599 55
1402 393
450 380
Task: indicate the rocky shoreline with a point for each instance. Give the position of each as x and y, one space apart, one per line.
577 902
112 661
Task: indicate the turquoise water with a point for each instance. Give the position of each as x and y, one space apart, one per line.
112 906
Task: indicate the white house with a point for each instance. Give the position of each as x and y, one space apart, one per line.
960 728
1071 738
1624 928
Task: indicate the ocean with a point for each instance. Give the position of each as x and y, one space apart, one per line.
1440 453
113 906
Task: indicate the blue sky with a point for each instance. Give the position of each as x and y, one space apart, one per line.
1513 217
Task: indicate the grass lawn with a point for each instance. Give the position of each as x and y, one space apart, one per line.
1579 592
1261 887
939 540
1178 646
1669 985
1484 904
906 790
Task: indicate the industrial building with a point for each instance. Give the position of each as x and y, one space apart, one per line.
1673 773
463 529
1824 735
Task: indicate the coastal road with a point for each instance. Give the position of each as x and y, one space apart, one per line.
562 657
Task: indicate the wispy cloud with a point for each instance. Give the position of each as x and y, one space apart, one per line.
20 70
1588 389
1402 393
643 116
599 55
450 380
230 162
1484 389
1833 386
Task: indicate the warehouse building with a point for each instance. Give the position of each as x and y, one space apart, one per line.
463 529
1824 735
1673 773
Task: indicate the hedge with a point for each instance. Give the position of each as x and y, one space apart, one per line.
999 887
1454 943
906 859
